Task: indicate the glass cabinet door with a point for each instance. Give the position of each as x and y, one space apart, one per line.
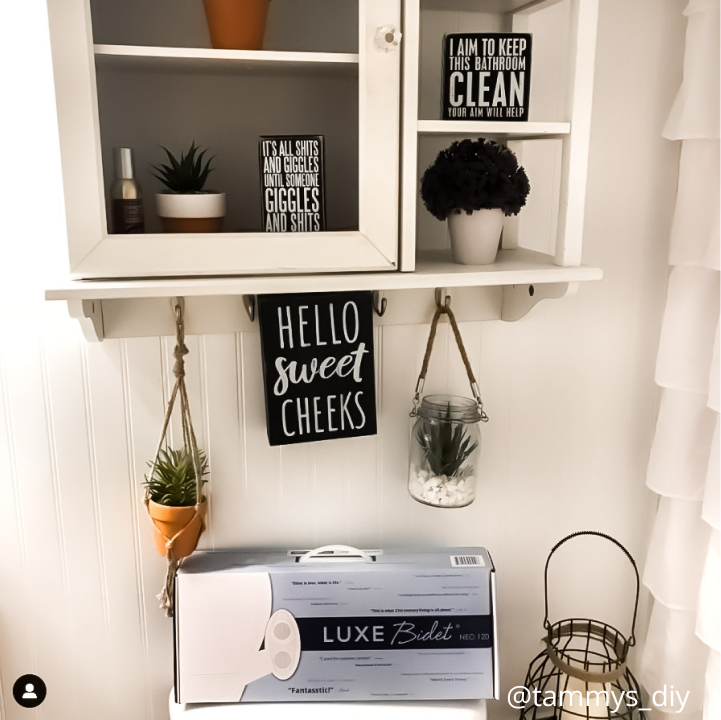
144 75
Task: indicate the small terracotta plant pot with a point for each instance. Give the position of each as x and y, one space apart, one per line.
191 225
236 24
191 213
168 521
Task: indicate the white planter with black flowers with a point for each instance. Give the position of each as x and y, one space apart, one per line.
473 184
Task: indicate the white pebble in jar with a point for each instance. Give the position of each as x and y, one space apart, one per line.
440 490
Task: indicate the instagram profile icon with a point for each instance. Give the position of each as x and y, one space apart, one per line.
29 691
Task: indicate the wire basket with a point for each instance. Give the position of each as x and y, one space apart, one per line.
582 673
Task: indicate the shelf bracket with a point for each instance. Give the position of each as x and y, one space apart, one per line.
518 300
89 313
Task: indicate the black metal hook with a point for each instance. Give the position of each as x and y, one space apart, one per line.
380 303
178 304
442 301
249 305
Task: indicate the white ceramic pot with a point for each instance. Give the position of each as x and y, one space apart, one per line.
198 212
474 237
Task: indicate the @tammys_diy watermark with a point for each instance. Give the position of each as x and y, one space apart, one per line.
612 699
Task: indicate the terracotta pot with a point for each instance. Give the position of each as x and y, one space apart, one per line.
475 237
197 213
191 225
168 521
236 24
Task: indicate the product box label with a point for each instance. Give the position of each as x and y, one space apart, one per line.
396 633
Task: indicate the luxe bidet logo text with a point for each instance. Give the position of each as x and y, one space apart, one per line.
360 634
405 632
396 633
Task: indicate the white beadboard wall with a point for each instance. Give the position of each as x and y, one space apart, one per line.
569 390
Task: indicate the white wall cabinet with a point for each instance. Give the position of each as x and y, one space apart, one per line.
140 74
136 74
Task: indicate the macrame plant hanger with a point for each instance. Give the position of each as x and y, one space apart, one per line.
191 446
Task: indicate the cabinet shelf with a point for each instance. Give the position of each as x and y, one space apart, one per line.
506 290
433 269
110 56
510 130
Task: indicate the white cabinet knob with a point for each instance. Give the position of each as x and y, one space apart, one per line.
388 37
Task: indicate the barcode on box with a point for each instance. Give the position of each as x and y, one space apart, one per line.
467 561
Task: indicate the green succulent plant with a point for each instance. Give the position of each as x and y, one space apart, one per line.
172 481
186 175
446 445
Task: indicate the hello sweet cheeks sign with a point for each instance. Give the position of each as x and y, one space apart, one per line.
318 366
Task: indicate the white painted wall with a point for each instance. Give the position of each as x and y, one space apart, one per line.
569 390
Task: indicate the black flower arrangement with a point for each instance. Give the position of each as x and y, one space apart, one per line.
474 175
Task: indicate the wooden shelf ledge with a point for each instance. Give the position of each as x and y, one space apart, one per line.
506 290
433 269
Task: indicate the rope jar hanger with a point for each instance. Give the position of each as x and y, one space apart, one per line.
444 308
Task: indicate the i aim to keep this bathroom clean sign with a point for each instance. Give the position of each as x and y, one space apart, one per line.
486 76
318 366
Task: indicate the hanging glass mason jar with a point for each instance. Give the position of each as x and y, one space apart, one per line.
446 440
445 449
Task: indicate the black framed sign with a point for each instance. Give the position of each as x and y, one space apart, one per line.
318 366
292 183
486 76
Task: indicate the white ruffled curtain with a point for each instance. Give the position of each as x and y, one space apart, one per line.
683 569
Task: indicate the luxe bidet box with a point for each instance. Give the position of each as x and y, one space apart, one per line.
335 625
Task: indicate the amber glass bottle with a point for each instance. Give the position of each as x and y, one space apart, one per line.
125 195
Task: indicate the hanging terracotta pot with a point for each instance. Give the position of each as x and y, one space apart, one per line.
176 479
180 527
236 24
